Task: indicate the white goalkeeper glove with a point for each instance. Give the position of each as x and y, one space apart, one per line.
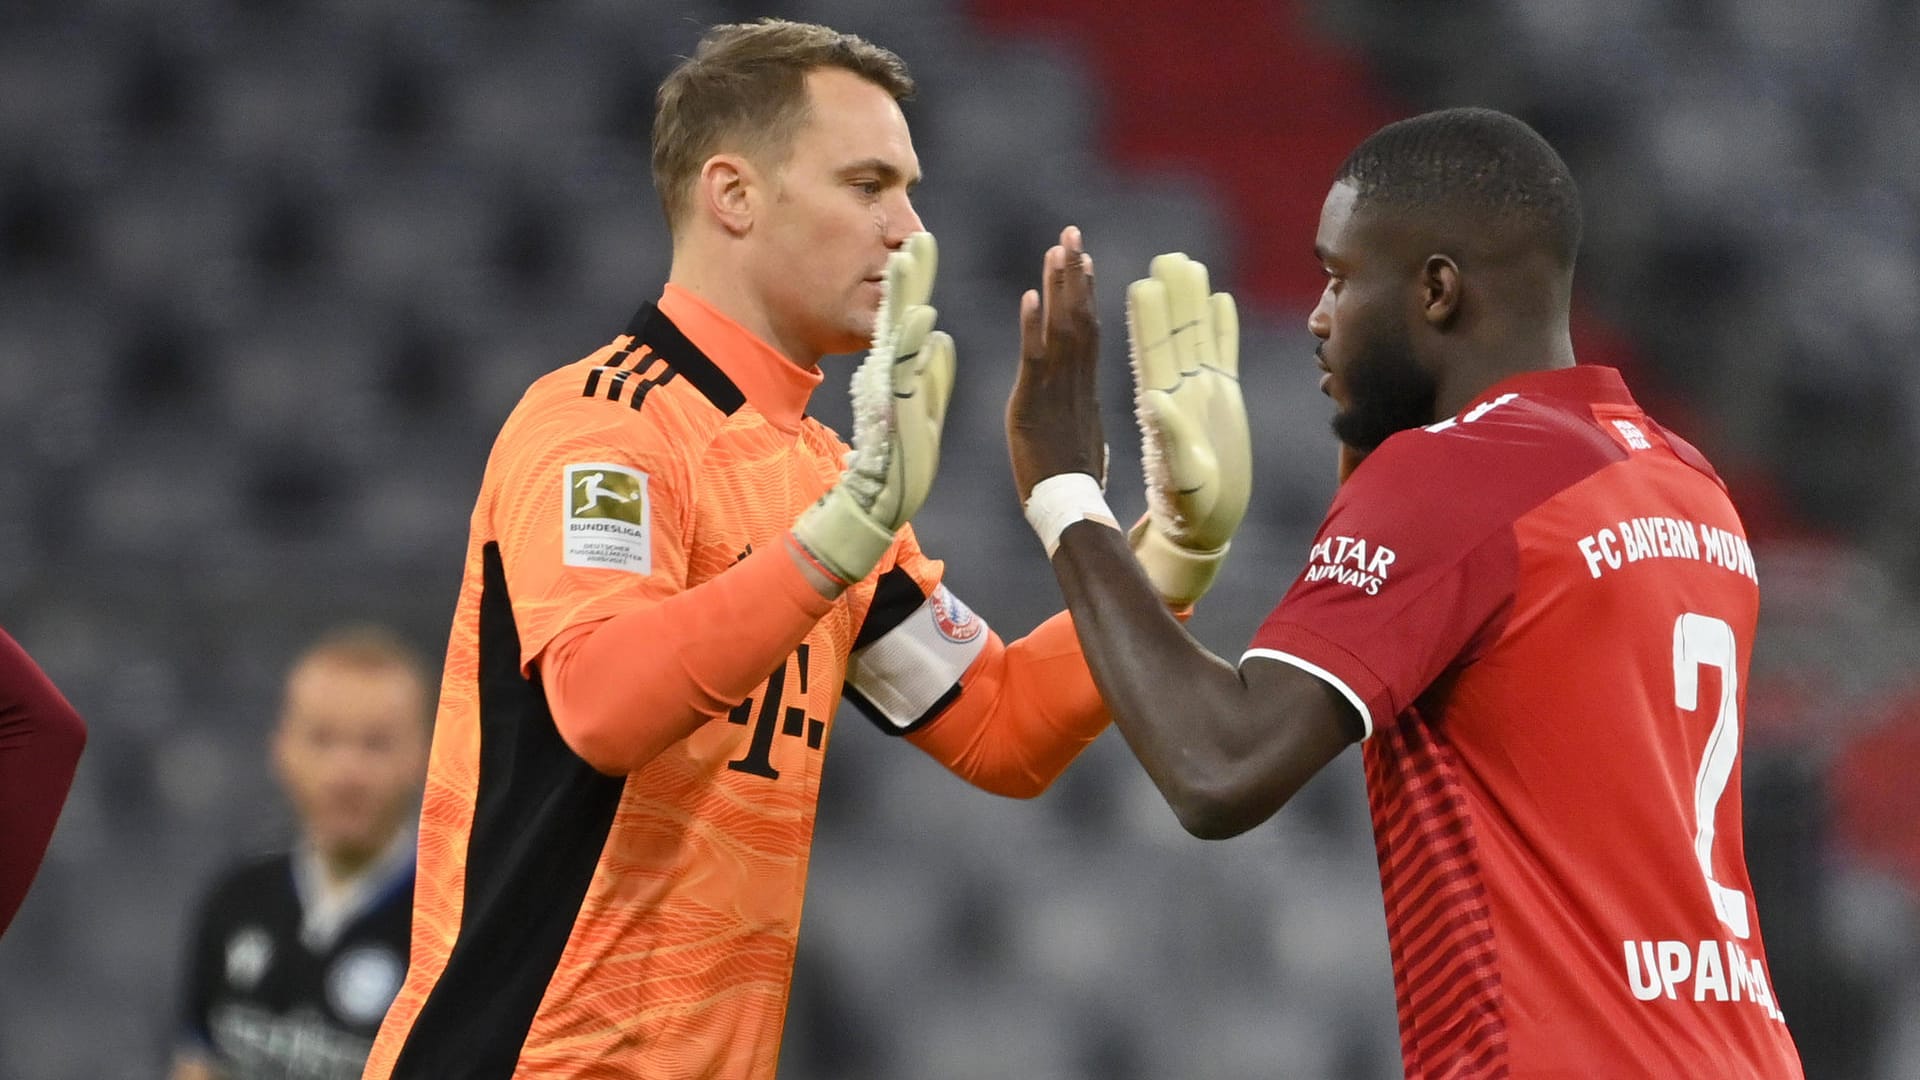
900 396
1194 446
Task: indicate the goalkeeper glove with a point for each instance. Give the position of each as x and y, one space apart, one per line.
1193 426
900 396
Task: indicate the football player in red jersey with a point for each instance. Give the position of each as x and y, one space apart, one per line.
1532 604
40 742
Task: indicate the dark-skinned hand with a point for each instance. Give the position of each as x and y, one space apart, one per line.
1053 416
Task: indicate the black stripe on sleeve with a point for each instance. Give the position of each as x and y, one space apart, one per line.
619 380
541 818
613 364
650 327
647 384
897 596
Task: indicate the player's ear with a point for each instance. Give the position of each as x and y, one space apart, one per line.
1440 289
725 189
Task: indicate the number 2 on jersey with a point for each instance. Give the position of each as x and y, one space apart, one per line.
1704 641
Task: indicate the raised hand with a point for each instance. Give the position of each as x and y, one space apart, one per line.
1185 342
900 397
1053 416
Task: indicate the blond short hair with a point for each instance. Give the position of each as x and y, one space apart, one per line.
368 647
745 88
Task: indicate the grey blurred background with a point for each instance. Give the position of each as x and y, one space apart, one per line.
272 272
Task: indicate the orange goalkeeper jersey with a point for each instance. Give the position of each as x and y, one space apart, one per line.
568 923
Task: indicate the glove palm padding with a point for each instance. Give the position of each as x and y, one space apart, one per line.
1195 446
900 394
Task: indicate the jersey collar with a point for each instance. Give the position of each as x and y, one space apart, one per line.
327 909
774 385
1591 384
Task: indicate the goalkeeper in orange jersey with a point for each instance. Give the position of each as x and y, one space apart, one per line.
672 576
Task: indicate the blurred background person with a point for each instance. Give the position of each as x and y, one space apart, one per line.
295 956
40 742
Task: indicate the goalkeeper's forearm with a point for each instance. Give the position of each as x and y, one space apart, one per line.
626 688
1026 709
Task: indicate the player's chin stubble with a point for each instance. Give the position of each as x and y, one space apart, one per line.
1387 392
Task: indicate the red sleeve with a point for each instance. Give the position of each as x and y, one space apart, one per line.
40 742
1414 569
1408 575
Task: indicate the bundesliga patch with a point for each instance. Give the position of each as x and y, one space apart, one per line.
607 522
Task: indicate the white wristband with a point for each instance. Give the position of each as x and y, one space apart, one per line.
1059 501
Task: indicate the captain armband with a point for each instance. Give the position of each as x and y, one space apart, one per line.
911 672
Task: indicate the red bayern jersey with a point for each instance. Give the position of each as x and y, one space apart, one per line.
1543 610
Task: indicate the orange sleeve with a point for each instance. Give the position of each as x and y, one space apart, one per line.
628 687
1024 712
592 506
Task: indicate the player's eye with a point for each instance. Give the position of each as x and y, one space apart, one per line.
869 188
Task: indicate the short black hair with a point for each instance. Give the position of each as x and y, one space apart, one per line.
1480 161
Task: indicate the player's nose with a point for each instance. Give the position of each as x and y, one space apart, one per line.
1320 320
902 221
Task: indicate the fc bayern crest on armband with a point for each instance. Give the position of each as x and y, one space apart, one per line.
955 621
607 521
